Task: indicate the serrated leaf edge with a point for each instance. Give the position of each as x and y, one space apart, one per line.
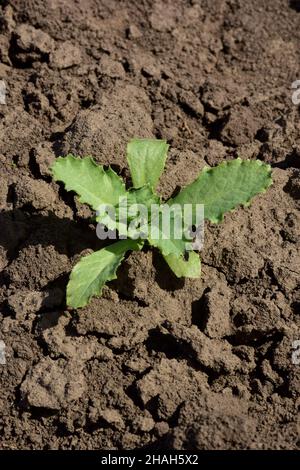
83 304
67 187
110 278
249 201
208 169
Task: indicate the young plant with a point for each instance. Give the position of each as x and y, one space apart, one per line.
220 189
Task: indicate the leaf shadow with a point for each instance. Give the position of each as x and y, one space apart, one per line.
164 277
20 229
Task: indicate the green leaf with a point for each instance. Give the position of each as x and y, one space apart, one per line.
143 195
91 273
185 268
90 181
139 203
134 197
165 237
146 159
226 186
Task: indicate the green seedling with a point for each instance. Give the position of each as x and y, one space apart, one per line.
220 189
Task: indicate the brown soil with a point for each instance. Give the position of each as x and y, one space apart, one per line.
156 362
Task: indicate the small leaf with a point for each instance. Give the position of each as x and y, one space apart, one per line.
146 159
226 186
185 268
142 196
91 273
93 184
163 235
139 203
